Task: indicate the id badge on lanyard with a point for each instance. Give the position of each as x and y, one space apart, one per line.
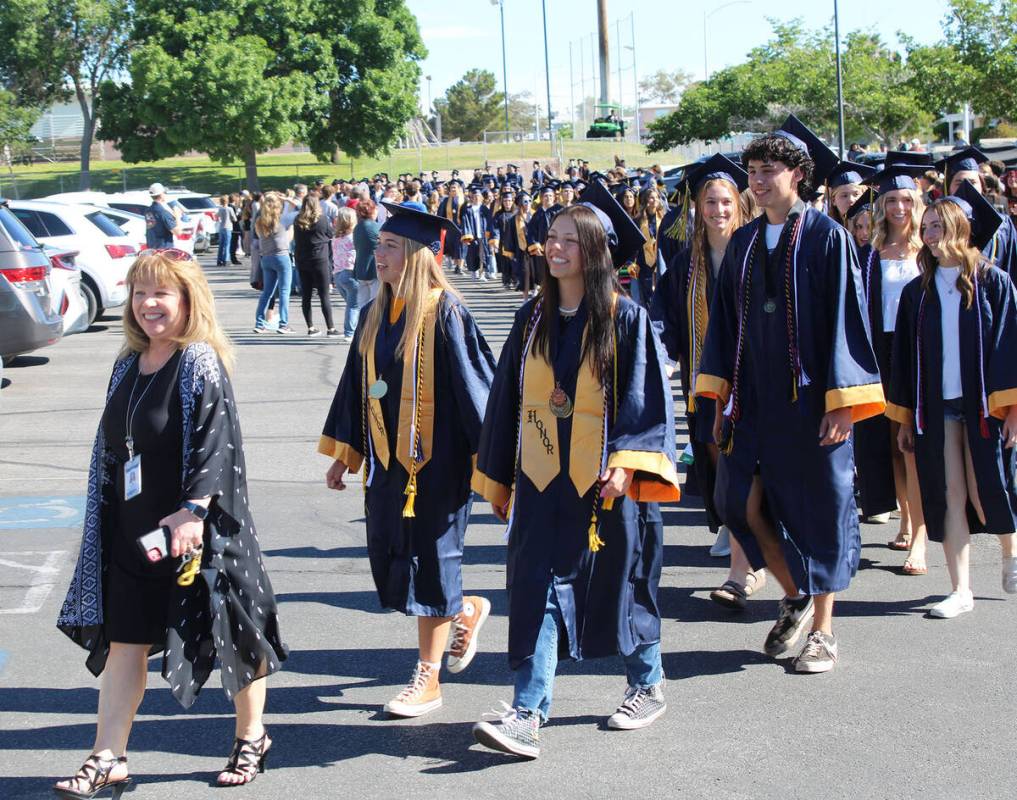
132 477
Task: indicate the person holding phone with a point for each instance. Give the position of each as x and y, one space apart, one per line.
169 559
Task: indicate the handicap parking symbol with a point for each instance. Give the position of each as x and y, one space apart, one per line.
56 511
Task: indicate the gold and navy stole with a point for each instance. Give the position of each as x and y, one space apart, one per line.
697 312
650 245
416 404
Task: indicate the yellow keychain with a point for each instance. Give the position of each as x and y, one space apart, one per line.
189 568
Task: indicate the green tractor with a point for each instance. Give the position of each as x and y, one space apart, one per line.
609 125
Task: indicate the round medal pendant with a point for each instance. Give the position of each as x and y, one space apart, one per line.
560 403
769 306
378 389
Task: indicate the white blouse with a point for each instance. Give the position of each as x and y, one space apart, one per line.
949 301
897 273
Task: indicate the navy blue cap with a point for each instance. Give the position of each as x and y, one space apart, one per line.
824 160
907 157
863 203
624 237
896 176
507 189
475 187
551 186
411 220
716 167
966 160
847 172
984 219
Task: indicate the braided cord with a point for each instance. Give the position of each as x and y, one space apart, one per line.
733 410
790 309
415 455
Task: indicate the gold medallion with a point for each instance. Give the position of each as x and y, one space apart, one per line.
560 403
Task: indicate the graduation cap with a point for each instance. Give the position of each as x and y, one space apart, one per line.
411 220
624 237
984 219
457 182
847 172
567 185
716 167
513 166
908 157
896 176
475 187
550 186
824 160
863 203
966 160
507 189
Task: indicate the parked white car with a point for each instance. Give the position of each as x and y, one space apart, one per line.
133 225
105 250
65 289
203 208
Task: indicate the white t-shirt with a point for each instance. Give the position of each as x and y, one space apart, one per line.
949 301
897 273
773 235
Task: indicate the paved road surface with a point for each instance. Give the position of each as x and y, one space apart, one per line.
918 708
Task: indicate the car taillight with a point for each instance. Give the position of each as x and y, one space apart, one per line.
64 305
120 250
185 235
63 261
24 274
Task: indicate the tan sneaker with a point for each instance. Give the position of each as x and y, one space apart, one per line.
421 695
465 628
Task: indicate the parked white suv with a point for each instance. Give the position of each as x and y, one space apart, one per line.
105 250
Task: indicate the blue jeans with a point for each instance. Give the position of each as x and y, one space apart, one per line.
276 271
535 676
349 288
224 247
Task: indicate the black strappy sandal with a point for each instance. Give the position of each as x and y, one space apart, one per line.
247 759
731 595
94 773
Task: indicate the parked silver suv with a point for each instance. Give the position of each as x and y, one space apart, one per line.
28 320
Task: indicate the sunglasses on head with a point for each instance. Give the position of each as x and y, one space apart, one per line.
173 253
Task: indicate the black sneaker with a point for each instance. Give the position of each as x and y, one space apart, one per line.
333 332
284 329
641 706
513 730
793 618
819 653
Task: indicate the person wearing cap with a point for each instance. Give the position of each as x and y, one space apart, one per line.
452 208
161 224
539 177
513 178
887 480
963 167
509 235
579 428
649 264
566 193
524 264
844 187
409 408
478 231
953 389
859 220
537 228
788 361
680 311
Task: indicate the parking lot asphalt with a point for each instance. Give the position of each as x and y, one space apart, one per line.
917 708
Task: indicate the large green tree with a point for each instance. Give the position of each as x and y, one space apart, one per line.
15 123
237 78
983 34
664 86
54 49
470 106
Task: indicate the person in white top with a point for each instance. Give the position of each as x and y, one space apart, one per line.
954 393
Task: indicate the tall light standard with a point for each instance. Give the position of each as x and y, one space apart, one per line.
706 16
547 75
635 76
504 62
840 83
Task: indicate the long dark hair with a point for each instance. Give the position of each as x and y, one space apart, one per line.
600 282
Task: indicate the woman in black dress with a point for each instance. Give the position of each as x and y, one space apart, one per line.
168 455
312 238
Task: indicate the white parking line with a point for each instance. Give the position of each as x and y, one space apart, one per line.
42 581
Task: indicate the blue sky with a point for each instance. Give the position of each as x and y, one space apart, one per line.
461 34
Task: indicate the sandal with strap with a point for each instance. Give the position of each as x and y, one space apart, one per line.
731 594
911 568
94 774
246 760
902 542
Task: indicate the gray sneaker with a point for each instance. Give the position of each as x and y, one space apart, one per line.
791 621
819 653
512 730
641 706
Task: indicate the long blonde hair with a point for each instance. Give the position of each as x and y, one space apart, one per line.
188 277
881 230
310 212
957 249
700 244
268 215
421 273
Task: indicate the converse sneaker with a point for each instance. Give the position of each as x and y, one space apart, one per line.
312 331
641 706
421 695
791 621
465 627
955 604
722 546
819 653
512 730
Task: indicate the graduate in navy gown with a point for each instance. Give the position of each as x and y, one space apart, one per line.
649 264
787 358
844 187
954 388
681 311
537 228
579 428
509 235
962 167
478 231
408 409
451 208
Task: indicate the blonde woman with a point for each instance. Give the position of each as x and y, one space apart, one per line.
648 266
168 462
953 389
409 408
274 261
312 239
886 476
344 261
845 186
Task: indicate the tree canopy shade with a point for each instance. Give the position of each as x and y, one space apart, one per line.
233 78
55 49
470 106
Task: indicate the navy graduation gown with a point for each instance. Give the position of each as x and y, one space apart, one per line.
669 245
453 244
1001 251
608 599
993 464
507 233
809 488
416 561
479 224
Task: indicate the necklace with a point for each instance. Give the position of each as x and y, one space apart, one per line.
568 312
129 421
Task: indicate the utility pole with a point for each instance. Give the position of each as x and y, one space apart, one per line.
547 75
840 84
605 64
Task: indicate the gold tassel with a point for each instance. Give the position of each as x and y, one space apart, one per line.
608 504
411 496
794 390
595 541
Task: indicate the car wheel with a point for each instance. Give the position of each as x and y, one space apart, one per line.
91 302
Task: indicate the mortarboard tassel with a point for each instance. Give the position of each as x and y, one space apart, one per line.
411 496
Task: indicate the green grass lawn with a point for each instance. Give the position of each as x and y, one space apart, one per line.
201 174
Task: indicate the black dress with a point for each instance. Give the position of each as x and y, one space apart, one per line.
137 598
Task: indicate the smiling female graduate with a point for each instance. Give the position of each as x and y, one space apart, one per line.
409 408
953 388
788 359
580 426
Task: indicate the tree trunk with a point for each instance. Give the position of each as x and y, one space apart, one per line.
337 155
251 168
87 135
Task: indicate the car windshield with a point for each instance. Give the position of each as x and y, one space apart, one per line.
104 224
133 208
17 232
196 203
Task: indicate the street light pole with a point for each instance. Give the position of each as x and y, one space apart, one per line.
635 78
547 75
706 16
840 83
504 63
